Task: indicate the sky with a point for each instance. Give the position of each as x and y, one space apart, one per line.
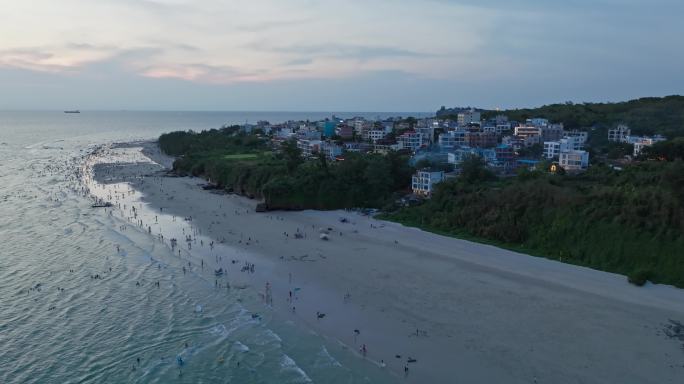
343 55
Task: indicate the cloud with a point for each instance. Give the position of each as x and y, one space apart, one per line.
204 73
348 51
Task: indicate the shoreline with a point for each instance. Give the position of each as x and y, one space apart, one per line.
491 315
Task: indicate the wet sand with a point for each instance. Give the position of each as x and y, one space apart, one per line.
466 312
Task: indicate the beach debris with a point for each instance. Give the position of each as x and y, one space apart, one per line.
324 236
320 315
674 330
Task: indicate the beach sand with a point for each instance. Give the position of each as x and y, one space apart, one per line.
484 314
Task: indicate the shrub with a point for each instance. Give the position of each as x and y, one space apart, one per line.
639 277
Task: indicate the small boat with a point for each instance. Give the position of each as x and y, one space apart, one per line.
218 272
73 111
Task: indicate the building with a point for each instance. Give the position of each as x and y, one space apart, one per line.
528 134
619 134
308 133
451 139
526 131
423 182
376 134
537 122
344 131
331 150
467 117
574 160
552 149
457 156
327 127
552 132
481 139
580 137
641 142
504 153
309 148
502 127
410 140
428 134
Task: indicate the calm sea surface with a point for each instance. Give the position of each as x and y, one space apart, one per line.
60 325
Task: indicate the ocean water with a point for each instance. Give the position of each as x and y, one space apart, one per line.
75 309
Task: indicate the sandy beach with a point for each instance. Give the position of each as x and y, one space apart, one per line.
465 312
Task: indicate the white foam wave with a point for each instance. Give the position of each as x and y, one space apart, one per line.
289 365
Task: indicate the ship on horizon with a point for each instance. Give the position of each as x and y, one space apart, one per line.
74 111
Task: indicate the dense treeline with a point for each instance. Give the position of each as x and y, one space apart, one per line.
630 222
244 164
669 150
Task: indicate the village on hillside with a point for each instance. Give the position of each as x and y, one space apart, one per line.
438 145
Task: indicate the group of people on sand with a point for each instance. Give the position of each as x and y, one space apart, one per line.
191 238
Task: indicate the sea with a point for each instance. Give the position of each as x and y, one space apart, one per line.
79 301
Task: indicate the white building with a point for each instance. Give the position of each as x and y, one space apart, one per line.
422 183
428 134
331 150
537 122
552 149
502 127
641 142
410 140
619 134
376 134
309 147
452 139
580 137
467 117
574 160
457 156
526 131
308 133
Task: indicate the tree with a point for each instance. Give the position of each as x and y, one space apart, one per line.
533 151
292 155
669 150
323 161
474 170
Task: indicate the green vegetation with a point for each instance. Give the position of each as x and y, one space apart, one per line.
669 150
244 164
645 116
630 222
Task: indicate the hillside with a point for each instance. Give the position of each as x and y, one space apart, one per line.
630 222
646 116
